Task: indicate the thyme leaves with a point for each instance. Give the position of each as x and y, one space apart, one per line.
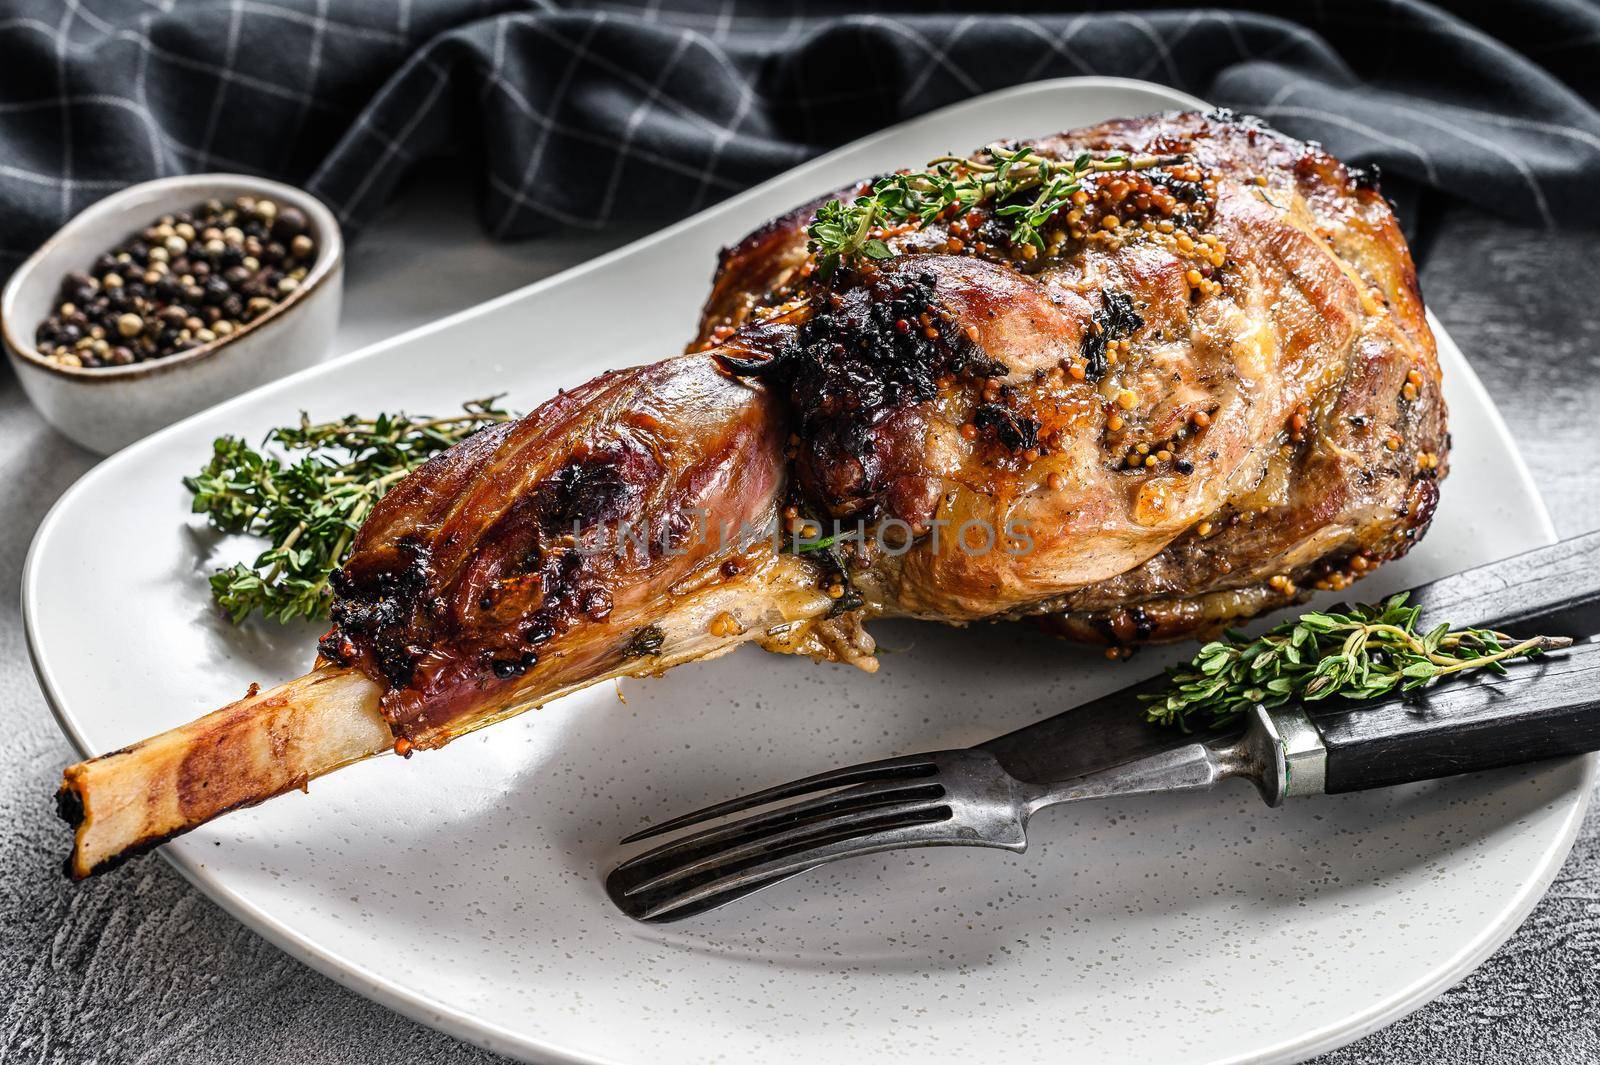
1027 188
1360 652
308 498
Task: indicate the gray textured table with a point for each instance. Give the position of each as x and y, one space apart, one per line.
139 967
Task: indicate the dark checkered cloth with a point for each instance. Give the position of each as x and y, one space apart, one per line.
579 114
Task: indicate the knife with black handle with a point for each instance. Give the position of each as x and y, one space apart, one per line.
1453 727
985 795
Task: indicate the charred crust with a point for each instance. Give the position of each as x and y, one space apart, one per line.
505 668
850 601
377 607
835 572
137 850
1013 430
69 805
1192 193
1424 500
875 345
582 494
865 350
1123 626
644 642
1116 319
529 582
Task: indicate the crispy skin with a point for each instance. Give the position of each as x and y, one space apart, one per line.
483 532
1150 430
1318 315
545 553
1159 425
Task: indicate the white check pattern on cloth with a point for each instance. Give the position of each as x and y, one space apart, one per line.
579 114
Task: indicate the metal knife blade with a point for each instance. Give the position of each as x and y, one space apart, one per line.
1097 735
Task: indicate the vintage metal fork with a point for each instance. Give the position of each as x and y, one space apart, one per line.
957 797
983 796
974 797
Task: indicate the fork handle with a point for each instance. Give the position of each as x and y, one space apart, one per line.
1543 708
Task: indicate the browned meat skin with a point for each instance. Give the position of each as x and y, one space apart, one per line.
1214 388
1166 421
1306 354
546 552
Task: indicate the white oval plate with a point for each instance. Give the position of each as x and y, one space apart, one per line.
463 887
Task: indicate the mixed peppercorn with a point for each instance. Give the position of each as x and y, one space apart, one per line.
188 279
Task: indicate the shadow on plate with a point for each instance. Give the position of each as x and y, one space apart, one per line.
520 823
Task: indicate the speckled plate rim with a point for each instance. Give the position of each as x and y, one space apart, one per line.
499 1038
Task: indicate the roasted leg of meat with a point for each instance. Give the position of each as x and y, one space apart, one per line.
1211 390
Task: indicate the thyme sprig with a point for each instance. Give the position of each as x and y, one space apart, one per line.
1027 187
1361 652
309 502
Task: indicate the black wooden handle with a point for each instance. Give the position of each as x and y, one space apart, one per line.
1549 591
1543 708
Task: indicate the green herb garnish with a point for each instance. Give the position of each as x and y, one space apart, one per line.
645 642
1028 187
796 546
309 507
1366 652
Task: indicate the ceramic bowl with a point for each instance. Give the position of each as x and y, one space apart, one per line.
104 408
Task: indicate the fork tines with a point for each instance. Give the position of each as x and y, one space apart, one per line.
707 868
